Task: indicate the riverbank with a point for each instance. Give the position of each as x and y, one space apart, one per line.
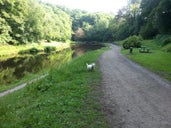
7 50
67 97
17 70
18 87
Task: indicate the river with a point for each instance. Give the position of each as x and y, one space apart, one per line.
15 68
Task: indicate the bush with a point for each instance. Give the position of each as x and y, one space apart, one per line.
23 52
132 41
167 48
49 49
33 50
164 39
29 51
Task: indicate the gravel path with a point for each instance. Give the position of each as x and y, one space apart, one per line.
132 96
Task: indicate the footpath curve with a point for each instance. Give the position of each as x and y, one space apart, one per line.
133 97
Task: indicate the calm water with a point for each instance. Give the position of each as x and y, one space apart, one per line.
82 48
15 68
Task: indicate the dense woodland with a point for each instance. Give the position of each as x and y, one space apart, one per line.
26 21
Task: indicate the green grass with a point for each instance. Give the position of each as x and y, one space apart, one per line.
67 98
27 78
10 50
157 61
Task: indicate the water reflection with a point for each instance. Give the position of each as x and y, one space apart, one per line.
85 47
17 67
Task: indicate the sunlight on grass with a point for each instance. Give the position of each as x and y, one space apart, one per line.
66 98
6 50
157 61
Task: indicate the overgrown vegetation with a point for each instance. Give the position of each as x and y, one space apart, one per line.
66 98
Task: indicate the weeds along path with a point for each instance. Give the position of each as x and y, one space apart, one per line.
21 86
132 96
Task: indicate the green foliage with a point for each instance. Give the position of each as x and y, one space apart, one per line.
49 49
132 41
32 50
23 21
166 41
167 48
163 39
91 27
147 31
5 30
163 17
156 16
142 17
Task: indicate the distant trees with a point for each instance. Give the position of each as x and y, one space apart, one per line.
92 27
126 22
23 21
143 17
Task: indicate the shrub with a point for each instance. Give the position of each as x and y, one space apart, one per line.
132 41
166 41
163 40
33 50
23 52
49 49
167 48
29 51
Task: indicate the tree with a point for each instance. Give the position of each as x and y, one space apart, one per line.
163 17
156 17
79 34
5 31
13 12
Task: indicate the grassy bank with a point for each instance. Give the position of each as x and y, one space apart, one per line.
66 98
10 50
157 61
25 79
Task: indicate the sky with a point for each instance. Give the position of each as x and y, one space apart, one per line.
106 6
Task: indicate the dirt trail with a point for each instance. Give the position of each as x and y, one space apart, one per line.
133 97
21 86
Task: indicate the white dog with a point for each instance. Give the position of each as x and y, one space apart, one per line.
90 67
